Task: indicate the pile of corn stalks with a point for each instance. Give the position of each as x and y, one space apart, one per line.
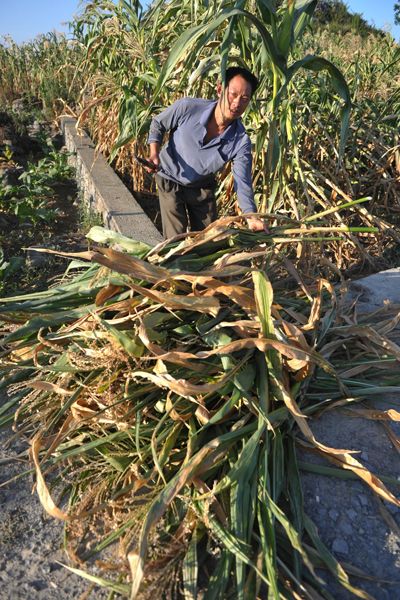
164 391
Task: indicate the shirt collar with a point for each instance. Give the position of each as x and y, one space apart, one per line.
229 131
205 115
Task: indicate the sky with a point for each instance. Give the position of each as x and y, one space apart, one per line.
25 19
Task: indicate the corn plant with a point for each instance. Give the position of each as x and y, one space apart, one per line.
265 35
8 268
124 52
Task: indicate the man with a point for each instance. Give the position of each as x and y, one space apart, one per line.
203 136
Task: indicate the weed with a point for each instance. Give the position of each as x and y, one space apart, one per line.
6 156
88 217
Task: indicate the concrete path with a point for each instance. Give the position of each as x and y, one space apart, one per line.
102 190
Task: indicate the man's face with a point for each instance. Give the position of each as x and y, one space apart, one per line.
236 98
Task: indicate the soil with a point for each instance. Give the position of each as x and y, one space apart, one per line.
31 555
353 523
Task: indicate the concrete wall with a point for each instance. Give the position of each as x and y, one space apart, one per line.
103 191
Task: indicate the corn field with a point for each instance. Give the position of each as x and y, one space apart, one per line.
309 153
41 71
324 123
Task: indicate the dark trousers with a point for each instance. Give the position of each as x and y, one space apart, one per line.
182 205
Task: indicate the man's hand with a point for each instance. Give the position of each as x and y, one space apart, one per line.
154 157
148 165
155 160
256 224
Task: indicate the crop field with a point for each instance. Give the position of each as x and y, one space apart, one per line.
166 392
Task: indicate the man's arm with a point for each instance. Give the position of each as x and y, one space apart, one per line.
168 119
241 168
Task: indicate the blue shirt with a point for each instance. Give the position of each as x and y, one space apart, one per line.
187 160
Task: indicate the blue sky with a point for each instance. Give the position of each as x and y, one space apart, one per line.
24 19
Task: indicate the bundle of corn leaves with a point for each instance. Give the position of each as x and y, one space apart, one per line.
165 389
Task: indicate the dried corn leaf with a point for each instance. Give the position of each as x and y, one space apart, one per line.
375 415
47 386
42 489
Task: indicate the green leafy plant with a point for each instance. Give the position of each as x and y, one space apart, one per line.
30 198
7 156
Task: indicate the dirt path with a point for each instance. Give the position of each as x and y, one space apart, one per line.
358 527
30 540
354 524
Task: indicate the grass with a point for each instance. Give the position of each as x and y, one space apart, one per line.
88 217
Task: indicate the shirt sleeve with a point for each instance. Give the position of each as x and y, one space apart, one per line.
168 119
241 168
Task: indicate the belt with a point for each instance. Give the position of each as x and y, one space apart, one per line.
207 182
210 182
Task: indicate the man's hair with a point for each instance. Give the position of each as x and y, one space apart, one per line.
231 72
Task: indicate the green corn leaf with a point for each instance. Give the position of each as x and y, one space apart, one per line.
304 10
341 473
244 464
268 547
119 588
244 379
55 320
220 578
127 121
337 208
295 495
190 569
339 84
263 294
191 35
236 547
278 473
101 235
267 9
132 345
285 37
87 447
120 463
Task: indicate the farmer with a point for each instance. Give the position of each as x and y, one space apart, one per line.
203 136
